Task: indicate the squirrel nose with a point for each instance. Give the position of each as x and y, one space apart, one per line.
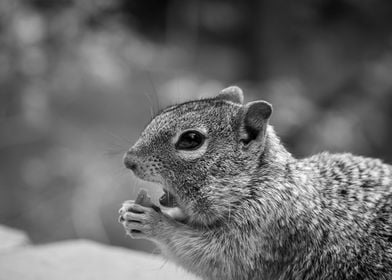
129 161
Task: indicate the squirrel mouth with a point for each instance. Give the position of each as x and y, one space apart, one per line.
168 199
172 207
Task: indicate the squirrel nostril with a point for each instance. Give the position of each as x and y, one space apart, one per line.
129 163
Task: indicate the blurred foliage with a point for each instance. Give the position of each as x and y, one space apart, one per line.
80 79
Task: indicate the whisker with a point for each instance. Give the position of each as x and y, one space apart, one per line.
117 137
112 152
154 90
151 104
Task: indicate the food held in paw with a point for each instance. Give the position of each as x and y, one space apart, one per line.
144 199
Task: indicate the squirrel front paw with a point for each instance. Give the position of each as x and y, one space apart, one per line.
141 222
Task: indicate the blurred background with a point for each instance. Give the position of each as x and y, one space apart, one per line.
79 80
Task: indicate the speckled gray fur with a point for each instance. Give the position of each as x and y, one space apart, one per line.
256 212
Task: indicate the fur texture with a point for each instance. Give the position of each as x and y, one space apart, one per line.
255 212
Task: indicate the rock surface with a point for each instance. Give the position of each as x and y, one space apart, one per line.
11 238
82 259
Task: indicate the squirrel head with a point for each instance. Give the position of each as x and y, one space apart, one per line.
203 152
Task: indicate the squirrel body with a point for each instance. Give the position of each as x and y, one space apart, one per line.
252 210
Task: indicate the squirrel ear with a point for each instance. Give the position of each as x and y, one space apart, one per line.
233 94
257 114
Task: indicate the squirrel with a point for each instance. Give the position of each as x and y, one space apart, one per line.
247 208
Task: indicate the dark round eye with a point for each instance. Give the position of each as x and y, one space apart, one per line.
190 140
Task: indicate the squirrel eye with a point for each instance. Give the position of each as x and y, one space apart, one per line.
190 140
